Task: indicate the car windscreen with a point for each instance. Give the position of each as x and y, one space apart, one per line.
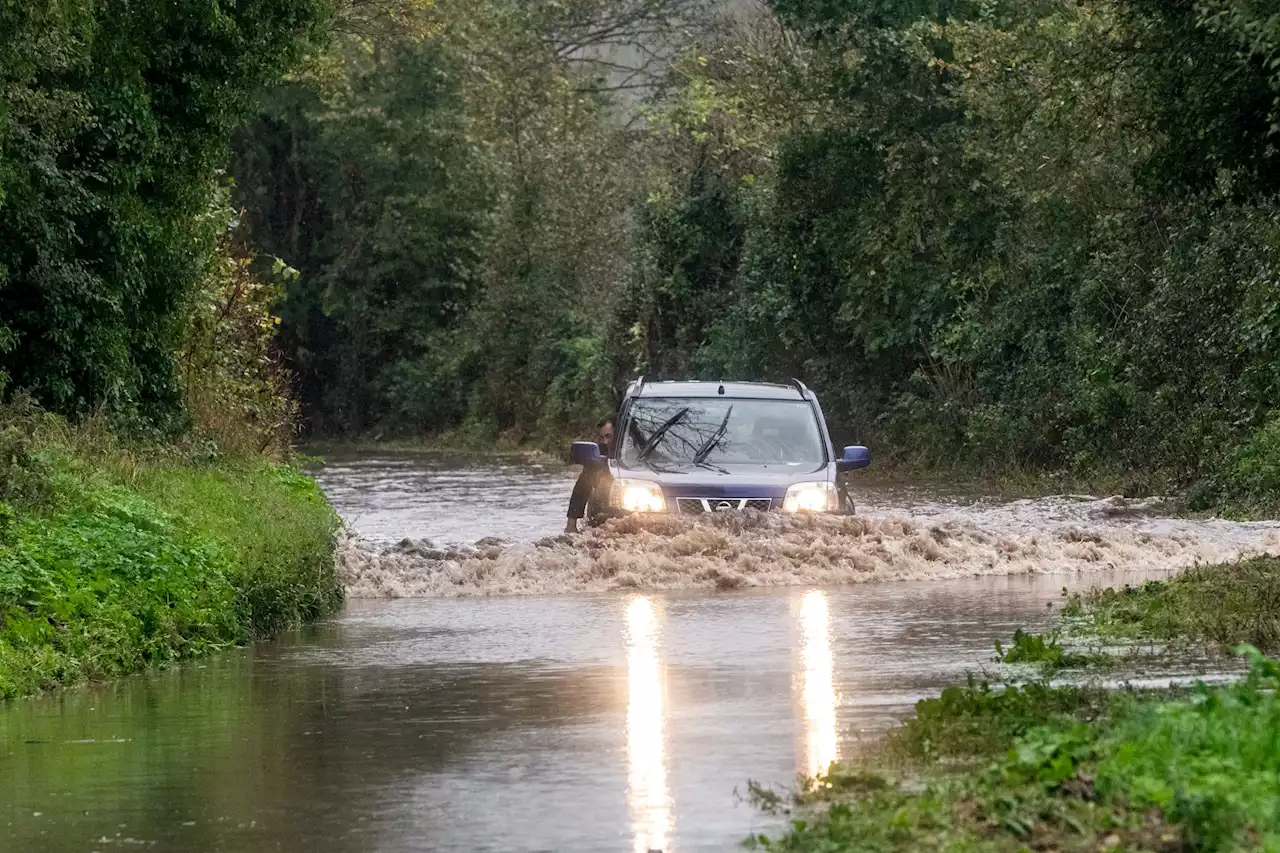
721 432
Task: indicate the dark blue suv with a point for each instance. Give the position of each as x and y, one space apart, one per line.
698 447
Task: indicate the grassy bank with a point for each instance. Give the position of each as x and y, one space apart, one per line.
113 560
1138 772
1218 606
1075 768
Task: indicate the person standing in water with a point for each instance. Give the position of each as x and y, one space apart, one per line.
594 479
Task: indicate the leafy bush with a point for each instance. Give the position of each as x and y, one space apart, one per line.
1249 480
234 386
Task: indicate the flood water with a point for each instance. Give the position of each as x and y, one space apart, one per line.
583 722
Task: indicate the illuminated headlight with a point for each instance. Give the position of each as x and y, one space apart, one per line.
638 496
811 497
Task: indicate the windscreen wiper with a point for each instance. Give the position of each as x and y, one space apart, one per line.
660 432
705 450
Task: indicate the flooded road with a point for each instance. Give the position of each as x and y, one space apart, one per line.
613 721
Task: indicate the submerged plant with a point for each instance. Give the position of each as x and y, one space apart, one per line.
1044 649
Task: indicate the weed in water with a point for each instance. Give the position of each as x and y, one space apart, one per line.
1045 650
977 719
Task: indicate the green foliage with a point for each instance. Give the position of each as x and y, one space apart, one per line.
1223 604
453 203
113 119
27 475
1208 763
1212 91
1043 649
372 194
273 523
977 720
111 561
105 589
1249 481
1194 772
234 387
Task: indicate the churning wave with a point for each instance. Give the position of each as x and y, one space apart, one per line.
757 549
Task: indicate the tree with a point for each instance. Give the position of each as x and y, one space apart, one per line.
113 119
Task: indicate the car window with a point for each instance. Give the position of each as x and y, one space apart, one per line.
722 431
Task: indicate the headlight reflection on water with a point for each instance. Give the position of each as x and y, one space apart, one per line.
818 693
647 796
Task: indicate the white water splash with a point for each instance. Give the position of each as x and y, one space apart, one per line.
771 549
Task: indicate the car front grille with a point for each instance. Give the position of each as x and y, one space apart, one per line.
698 506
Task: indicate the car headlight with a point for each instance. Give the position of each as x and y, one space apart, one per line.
811 497
638 496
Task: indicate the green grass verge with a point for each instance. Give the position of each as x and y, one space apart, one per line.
1076 768
111 563
1219 605
1070 769
274 525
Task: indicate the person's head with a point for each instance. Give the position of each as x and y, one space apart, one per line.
605 439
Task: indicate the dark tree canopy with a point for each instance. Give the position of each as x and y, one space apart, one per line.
994 234
114 117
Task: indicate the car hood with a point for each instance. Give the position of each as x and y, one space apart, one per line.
747 483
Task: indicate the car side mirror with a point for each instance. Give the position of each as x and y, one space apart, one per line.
854 457
584 452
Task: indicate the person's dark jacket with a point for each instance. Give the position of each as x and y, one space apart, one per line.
591 492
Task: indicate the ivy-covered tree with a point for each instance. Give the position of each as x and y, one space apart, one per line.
114 117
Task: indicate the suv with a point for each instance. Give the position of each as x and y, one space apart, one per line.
700 447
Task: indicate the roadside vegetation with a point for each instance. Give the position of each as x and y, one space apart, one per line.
120 550
1195 772
115 560
1218 606
150 508
1062 766
1027 240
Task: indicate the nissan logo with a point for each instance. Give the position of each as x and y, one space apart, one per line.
724 506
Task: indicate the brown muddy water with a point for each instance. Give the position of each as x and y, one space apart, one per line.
614 711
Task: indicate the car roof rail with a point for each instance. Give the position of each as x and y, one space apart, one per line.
636 386
800 386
